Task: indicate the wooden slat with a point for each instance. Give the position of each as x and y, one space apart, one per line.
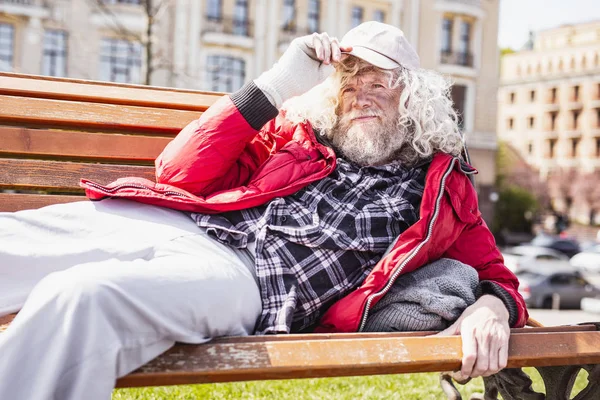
56 113
350 354
11 202
226 362
80 145
105 92
63 176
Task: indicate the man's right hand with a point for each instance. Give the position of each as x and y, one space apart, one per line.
320 47
305 64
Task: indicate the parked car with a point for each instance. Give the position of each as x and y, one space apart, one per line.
567 246
589 260
521 258
538 286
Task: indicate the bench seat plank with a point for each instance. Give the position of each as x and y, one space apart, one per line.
222 361
63 176
80 145
11 202
105 92
46 113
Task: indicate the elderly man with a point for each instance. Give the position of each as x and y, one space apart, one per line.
303 217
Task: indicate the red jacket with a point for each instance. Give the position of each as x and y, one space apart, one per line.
220 163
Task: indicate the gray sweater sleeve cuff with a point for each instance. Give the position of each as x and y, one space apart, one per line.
254 105
489 287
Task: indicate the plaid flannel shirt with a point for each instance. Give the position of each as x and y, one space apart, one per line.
316 245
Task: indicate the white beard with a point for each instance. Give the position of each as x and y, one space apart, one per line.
368 143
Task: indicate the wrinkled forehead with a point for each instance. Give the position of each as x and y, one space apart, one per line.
369 75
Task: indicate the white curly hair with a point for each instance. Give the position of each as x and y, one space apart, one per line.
425 110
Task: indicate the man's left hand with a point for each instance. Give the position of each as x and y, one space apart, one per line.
484 330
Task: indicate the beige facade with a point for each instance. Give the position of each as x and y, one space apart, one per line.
549 104
220 44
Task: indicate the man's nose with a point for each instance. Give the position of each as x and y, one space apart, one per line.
362 100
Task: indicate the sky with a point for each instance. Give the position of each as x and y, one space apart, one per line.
518 17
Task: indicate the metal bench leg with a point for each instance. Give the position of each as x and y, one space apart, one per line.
514 384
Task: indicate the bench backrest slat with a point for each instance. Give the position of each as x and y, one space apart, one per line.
80 145
62 176
54 131
10 202
30 112
104 92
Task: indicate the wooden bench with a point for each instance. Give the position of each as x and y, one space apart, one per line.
54 131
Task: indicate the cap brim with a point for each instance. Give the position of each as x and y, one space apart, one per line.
372 57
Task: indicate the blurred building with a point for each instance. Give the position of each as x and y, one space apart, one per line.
549 110
220 44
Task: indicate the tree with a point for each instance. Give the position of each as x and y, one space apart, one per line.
153 10
506 50
587 188
522 195
561 183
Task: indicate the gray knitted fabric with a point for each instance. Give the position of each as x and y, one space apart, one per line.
429 298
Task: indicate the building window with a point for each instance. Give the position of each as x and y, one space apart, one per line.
289 16
54 60
446 35
459 100
464 43
553 116
511 123
512 98
576 93
576 114
122 1
531 122
240 18
532 96
598 147
357 16
553 95
214 10
551 147
574 146
313 15
120 61
530 148
597 117
379 16
225 73
7 35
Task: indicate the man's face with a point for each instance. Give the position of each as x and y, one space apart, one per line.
367 131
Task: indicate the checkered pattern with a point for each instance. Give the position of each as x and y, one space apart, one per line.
316 245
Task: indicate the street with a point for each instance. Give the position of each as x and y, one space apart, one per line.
562 317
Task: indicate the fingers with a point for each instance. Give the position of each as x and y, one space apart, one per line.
451 330
469 348
327 49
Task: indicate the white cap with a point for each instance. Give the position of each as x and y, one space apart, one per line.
381 45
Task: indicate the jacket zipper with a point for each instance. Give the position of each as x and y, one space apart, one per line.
392 279
132 185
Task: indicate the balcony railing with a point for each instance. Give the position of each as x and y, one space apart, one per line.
228 25
19 2
469 2
457 58
289 33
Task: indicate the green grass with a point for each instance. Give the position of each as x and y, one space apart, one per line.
405 387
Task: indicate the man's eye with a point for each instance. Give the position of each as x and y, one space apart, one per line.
378 86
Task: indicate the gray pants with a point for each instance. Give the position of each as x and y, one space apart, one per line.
105 287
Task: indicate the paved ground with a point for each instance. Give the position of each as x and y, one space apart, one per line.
563 317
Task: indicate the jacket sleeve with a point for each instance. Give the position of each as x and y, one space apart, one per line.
222 148
476 246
